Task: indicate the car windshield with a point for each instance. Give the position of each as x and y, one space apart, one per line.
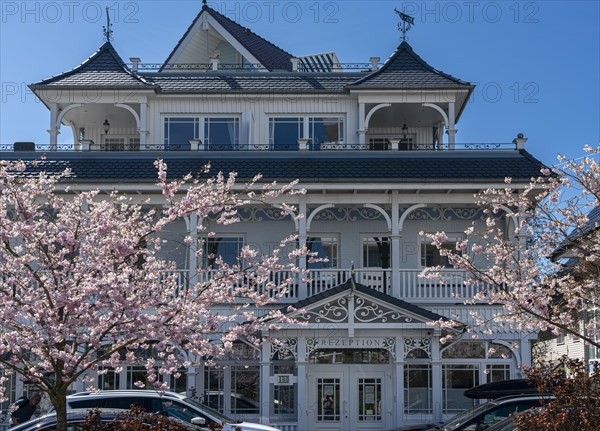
461 418
209 410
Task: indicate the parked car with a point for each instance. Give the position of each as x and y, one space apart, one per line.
77 419
168 403
505 425
483 416
502 388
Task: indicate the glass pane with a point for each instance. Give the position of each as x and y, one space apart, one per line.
213 389
328 397
350 356
465 349
245 384
222 133
497 372
455 379
376 252
499 351
108 381
326 248
326 130
417 389
178 132
284 133
227 248
369 400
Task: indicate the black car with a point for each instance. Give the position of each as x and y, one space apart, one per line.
77 418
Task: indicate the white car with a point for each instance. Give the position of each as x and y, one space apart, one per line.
168 403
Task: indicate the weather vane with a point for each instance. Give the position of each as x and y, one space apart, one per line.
107 30
407 22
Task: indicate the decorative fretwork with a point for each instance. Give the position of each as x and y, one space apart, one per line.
287 349
446 214
262 214
369 311
348 214
328 313
412 343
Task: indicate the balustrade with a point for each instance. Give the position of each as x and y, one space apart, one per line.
448 287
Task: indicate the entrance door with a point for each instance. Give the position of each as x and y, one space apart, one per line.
348 398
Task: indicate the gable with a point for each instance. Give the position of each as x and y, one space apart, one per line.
355 305
214 35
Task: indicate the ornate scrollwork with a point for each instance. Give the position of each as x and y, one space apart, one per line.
412 343
329 313
287 349
366 312
262 214
446 214
348 214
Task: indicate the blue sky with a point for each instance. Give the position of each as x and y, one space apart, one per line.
536 63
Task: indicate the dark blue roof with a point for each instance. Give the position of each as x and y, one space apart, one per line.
309 167
405 69
104 68
272 83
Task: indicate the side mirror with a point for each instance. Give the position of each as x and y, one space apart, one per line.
198 421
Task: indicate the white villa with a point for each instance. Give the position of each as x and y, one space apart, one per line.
378 153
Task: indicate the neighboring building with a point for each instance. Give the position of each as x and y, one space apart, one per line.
551 347
370 148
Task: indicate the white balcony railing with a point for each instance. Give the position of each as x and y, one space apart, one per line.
448 288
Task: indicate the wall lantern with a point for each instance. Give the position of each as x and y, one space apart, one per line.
404 130
106 125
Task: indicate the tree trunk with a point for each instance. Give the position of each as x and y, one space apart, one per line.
60 404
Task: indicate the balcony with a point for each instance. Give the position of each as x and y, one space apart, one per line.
448 288
196 146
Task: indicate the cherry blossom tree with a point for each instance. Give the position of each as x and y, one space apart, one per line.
538 250
83 286
574 405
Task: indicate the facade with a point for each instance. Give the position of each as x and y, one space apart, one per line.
549 347
376 150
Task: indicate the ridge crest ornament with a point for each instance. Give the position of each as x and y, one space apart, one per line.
406 23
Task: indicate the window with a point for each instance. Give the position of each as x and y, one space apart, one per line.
326 130
222 133
228 249
213 388
284 133
109 380
245 389
179 131
430 254
328 400
465 349
456 378
417 389
369 400
284 399
376 252
325 247
497 372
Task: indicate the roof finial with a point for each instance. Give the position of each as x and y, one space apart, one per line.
407 22
107 30
204 3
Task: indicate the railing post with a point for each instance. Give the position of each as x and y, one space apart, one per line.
395 291
301 291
